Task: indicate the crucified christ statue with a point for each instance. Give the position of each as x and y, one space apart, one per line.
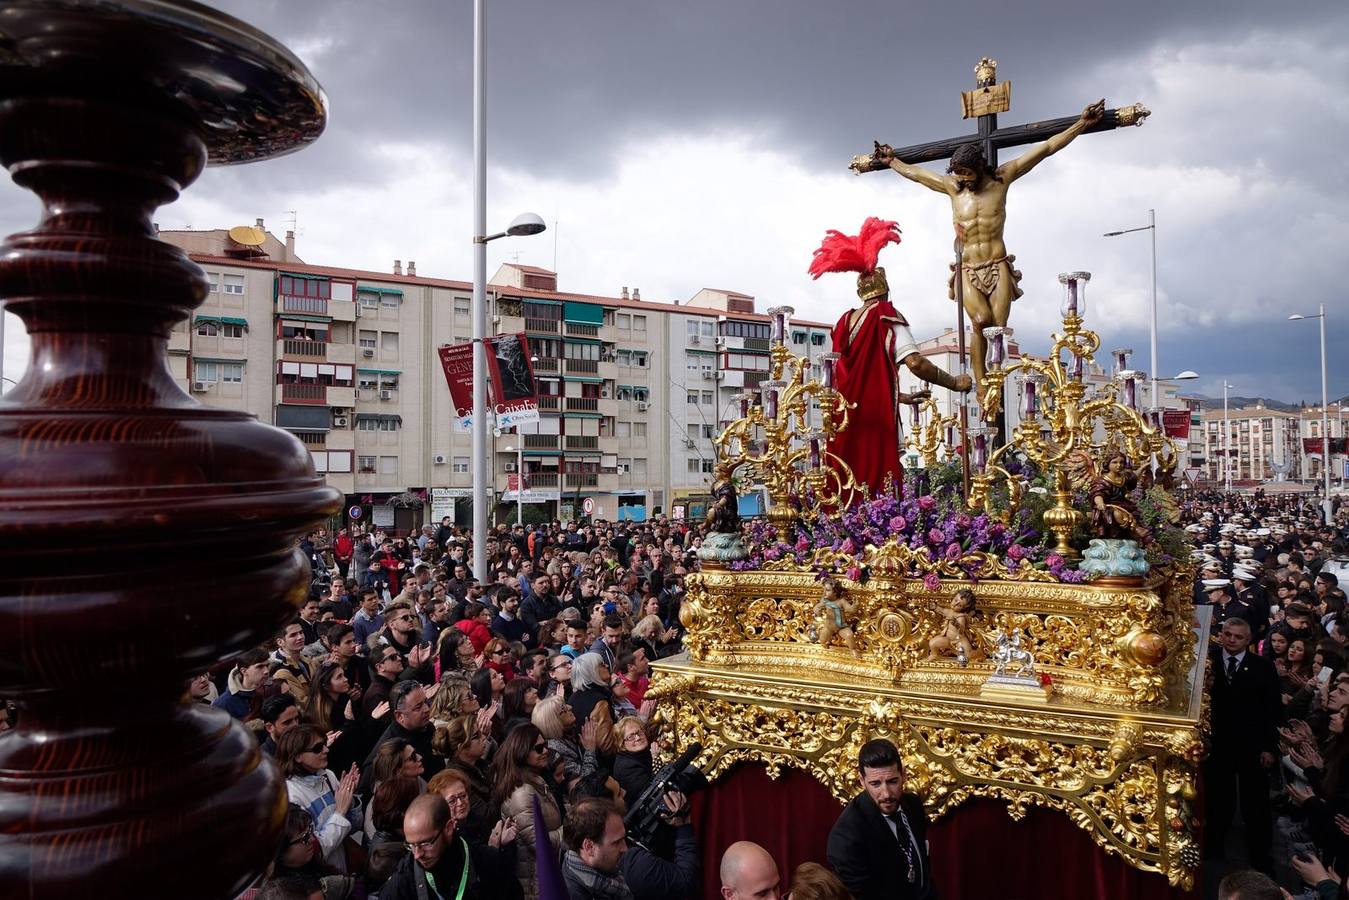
979 211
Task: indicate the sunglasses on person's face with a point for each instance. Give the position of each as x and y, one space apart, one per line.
541 748
304 838
317 748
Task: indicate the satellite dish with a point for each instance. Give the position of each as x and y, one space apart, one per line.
247 235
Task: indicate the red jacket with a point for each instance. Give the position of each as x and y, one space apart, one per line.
342 547
478 634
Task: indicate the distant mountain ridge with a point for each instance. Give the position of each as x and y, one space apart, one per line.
1236 402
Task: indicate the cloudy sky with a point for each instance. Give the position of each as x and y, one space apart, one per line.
674 146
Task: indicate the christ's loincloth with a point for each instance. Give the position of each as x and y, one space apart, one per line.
986 276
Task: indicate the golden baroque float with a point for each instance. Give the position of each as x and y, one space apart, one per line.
1114 739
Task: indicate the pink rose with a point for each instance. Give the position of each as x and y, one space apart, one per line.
848 547
1016 551
926 502
931 582
854 573
1054 561
802 544
898 524
953 551
935 536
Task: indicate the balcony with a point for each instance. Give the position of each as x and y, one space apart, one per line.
542 326
341 395
307 306
583 404
308 394
549 404
179 342
756 344
576 329
541 479
583 442
540 441
307 349
576 480
588 367
342 310
754 379
547 365
608 370
608 407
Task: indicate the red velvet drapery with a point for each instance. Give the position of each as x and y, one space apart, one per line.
977 850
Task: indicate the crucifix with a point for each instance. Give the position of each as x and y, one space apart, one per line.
983 279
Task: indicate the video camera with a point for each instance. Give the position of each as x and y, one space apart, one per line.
680 775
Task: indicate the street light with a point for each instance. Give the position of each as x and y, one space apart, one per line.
519 482
526 224
1325 414
1151 226
1227 442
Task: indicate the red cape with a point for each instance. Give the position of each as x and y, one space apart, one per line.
865 374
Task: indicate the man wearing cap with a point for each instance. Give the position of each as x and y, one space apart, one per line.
1250 592
1225 606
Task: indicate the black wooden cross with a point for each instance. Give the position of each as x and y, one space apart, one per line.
992 137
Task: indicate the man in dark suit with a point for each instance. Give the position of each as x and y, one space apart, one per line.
878 846
1244 699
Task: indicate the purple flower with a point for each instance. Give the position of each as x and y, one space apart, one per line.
848 546
898 524
931 582
926 502
936 536
1016 551
802 543
772 553
1054 562
854 573
963 520
953 551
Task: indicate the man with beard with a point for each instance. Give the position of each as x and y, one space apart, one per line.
411 706
541 604
442 864
979 211
402 631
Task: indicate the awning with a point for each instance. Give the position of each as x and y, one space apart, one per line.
380 371
378 290
290 318
583 313
217 359
222 320
378 417
304 418
305 277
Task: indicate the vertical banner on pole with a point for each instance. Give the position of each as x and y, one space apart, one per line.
514 389
457 362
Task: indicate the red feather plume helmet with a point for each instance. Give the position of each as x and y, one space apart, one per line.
857 253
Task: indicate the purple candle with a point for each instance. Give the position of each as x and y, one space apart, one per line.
814 452
778 315
770 397
950 435
916 416
1028 387
744 404
827 369
1074 294
980 449
1128 379
1078 367
995 347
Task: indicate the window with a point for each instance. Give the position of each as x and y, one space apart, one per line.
581 351
707 399
695 466
709 432
388 381
707 465
234 284
624 429
389 425
623 357
625 393
367 425
213 282
365 463
462 307
709 329
693 398
229 373
692 327
639 359
693 365
367 382
388 341
231 331
624 321
461 465
798 337
817 339
207 329
388 465
367 299
639 323
639 469
232 373
391 301
368 339
693 430
640 394
639 429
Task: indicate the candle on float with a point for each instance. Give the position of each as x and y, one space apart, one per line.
995 347
980 448
814 452
827 369
916 416
1079 366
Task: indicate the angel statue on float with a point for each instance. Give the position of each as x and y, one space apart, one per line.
871 342
1115 519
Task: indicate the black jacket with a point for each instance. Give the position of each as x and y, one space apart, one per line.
409 876
1246 709
867 857
651 877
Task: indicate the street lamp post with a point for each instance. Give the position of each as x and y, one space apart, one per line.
1152 227
525 224
1227 442
1325 414
519 482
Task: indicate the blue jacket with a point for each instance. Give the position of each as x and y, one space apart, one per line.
236 703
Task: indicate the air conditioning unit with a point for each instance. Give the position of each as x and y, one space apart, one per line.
708 375
719 375
690 443
368 352
721 342
695 339
359 312
641 405
386 395
604 394
439 459
340 421
509 467
200 386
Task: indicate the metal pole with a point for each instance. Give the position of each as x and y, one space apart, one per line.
1325 426
479 458
520 482
1152 226
1227 430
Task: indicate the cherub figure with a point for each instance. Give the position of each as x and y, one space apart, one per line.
832 616
1113 512
955 637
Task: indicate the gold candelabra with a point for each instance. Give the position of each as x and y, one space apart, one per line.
1059 421
774 442
930 431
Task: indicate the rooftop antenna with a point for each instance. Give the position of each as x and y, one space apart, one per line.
292 218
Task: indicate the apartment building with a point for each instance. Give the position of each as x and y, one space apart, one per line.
1310 428
346 360
1259 440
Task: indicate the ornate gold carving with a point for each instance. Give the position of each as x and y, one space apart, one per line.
986 72
1132 115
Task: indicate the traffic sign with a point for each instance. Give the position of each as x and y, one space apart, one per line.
355 512
1192 475
588 505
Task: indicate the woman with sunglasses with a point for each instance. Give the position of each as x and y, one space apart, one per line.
334 706
463 744
302 756
497 656
521 766
574 747
299 855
